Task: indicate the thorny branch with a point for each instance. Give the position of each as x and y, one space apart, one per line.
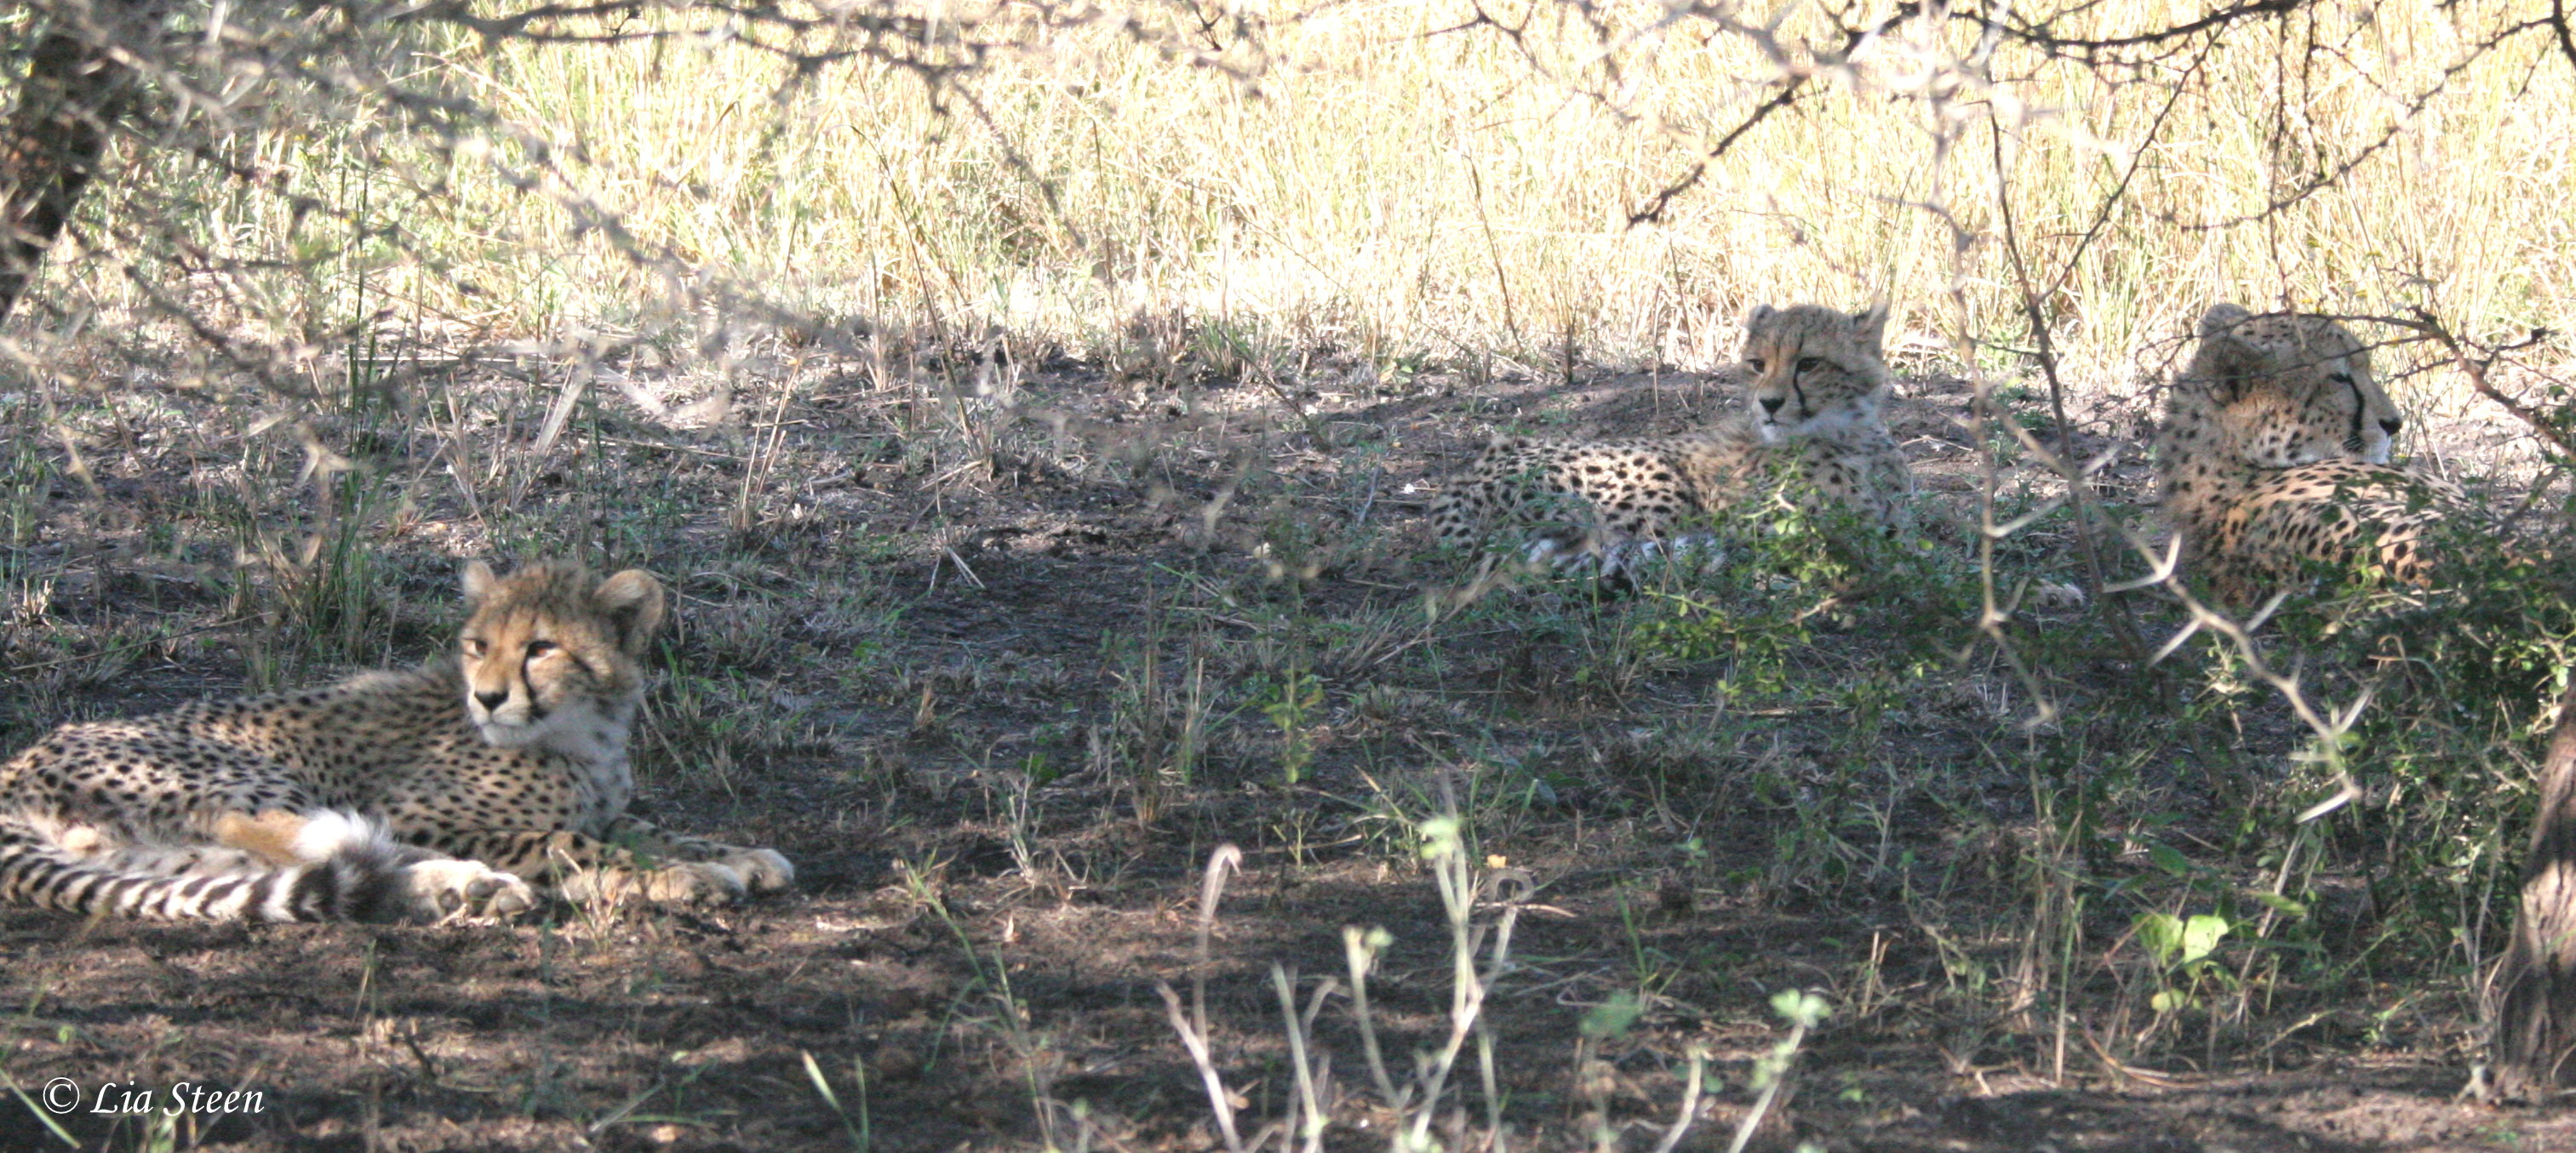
2474 361
2558 24
208 80
1654 210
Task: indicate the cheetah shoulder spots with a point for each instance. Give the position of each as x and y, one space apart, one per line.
2274 454
1819 381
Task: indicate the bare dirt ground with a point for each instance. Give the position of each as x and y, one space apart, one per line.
938 658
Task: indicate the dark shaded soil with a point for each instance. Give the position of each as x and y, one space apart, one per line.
974 958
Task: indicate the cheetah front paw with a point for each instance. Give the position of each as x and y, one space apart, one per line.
444 888
694 883
761 870
2054 595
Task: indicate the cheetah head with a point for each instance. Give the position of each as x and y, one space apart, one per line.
553 658
2282 390
1815 370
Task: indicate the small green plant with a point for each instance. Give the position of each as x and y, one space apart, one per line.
1613 1017
861 1133
1803 1011
1753 644
1158 725
26 476
1300 694
2182 949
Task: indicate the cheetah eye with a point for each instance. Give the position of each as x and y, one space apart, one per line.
539 648
473 648
1810 363
1754 362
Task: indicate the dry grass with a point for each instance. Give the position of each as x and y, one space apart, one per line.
1393 182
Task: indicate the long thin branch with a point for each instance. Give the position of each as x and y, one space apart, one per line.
2558 24
1653 212
2475 368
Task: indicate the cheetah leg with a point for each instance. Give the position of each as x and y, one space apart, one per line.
762 870
120 851
589 869
207 841
434 887
277 836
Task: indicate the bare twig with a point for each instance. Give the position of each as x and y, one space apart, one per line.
1360 949
1221 864
1689 1111
1195 1040
2474 360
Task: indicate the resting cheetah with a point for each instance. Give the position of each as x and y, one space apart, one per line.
2274 455
1818 384
390 796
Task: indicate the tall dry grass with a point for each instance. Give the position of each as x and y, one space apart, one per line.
1394 183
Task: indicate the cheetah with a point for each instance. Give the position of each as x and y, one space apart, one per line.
405 795
2274 455
1818 384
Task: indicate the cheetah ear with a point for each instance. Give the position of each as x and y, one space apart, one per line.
478 581
2222 317
1869 325
1759 313
632 599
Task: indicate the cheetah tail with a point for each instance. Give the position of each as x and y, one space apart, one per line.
345 870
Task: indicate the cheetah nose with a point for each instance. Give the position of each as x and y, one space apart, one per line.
2390 424
1773 403
492 700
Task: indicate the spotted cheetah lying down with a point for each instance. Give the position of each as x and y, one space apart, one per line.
408 795
2274 457
1814 427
